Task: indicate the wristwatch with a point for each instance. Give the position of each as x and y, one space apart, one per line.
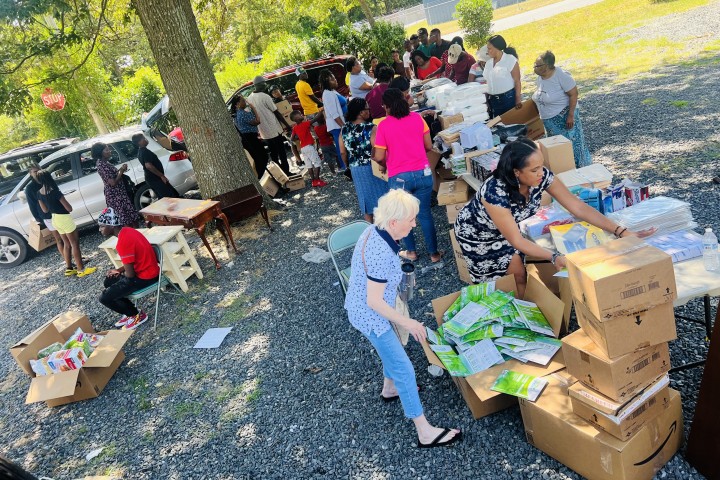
555 257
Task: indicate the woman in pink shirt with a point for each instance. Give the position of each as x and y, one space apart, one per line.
402 141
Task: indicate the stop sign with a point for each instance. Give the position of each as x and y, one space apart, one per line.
53 101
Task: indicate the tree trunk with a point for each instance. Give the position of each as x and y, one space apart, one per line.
368 13
218 156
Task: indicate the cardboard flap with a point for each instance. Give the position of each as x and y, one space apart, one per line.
48 387
432 358
601 253
550 305
46 337
109 348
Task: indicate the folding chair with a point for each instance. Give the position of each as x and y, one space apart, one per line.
156 287
341 239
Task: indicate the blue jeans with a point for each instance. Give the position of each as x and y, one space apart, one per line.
421 186
398 368
501 103
336 136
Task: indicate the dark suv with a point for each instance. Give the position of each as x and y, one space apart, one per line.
14 163
285 78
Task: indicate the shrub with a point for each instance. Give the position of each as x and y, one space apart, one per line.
378 40
474 16
136 95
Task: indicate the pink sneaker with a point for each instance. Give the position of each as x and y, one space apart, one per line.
136 321
123 321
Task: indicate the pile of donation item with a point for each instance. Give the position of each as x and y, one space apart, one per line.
67 360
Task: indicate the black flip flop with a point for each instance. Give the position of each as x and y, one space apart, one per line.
435 443
396 397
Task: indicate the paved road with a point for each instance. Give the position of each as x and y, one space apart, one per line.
532 16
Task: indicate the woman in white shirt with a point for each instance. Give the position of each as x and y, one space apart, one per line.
556 98
334 116
502 74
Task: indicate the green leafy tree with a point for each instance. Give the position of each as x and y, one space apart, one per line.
379 40
137 94
475 17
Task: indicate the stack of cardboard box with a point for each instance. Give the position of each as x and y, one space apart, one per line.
621 405
274 178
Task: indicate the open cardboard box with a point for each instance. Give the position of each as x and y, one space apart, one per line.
475 389
74 385
528 114
559 286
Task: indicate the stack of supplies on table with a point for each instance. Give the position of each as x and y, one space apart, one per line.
664 213
680 245
486 327
618 408
482 163
546 217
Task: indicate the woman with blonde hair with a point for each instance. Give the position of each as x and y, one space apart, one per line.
370 303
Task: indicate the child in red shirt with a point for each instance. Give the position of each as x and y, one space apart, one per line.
327 145
302 131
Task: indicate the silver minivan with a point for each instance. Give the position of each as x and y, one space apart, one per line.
75 172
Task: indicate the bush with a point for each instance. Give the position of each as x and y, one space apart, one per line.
474 16
136 95
234 73
379 40
284 50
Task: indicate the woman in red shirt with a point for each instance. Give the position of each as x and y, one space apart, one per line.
425 65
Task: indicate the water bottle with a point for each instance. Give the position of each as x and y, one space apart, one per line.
434 370
710 251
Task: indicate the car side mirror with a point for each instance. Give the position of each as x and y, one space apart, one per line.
22 197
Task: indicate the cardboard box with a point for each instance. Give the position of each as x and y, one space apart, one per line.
620 335
40 239
621 277
528 115
455 191
285 109
277 173
376 171
618 378
560 286
295 182
268 183
74 385
453 210
446 121
558 153
475 389
551 426
462 267
620 419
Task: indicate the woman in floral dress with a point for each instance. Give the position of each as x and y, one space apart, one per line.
116 195
487 228
356 151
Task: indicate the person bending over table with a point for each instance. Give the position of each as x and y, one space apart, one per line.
370 303
139 270
487 228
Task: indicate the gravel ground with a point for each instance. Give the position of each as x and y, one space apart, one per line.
292 392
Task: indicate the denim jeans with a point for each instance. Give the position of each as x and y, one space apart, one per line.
336 137
501 103
398 368
421 186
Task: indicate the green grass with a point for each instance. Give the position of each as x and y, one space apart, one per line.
650 101
680 103
591 42
186 409
140 386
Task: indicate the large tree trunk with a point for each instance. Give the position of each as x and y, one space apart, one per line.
218 156
368 13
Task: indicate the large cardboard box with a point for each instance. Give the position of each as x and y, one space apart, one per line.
618 378
285 109
475 389
620 419
447 121
462 267
551 426
621 277
74 385
277 173
455 191
528 115
558 153
620 335
453 210
40 239
377 172
295 182
268 183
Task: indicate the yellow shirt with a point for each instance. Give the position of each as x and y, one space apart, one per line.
304 90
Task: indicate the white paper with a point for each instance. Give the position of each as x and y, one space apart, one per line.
481 356
471 313
541 355
212 338
432 336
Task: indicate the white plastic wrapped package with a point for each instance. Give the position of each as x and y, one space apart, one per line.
465 106
477 135
433 93
473 91
546 217
664 213
437 82
479 117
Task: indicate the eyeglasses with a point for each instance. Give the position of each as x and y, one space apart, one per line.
539 65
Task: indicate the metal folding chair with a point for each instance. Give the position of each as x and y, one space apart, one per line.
340 239
156 287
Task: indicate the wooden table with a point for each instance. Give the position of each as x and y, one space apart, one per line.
179 262
190 214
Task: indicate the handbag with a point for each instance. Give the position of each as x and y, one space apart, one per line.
130 187
400 306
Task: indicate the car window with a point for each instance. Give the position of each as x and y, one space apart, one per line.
13 169
89 164
286 83
60 169
127 148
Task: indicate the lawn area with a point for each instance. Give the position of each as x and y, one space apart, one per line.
510 10
596 44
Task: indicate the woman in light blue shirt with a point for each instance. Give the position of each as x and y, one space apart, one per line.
370 303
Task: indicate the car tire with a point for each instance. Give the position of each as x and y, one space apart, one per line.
144 196
13 249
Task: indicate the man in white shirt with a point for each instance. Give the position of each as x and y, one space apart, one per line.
407 62
271 124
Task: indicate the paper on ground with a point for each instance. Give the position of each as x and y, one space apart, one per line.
212 338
